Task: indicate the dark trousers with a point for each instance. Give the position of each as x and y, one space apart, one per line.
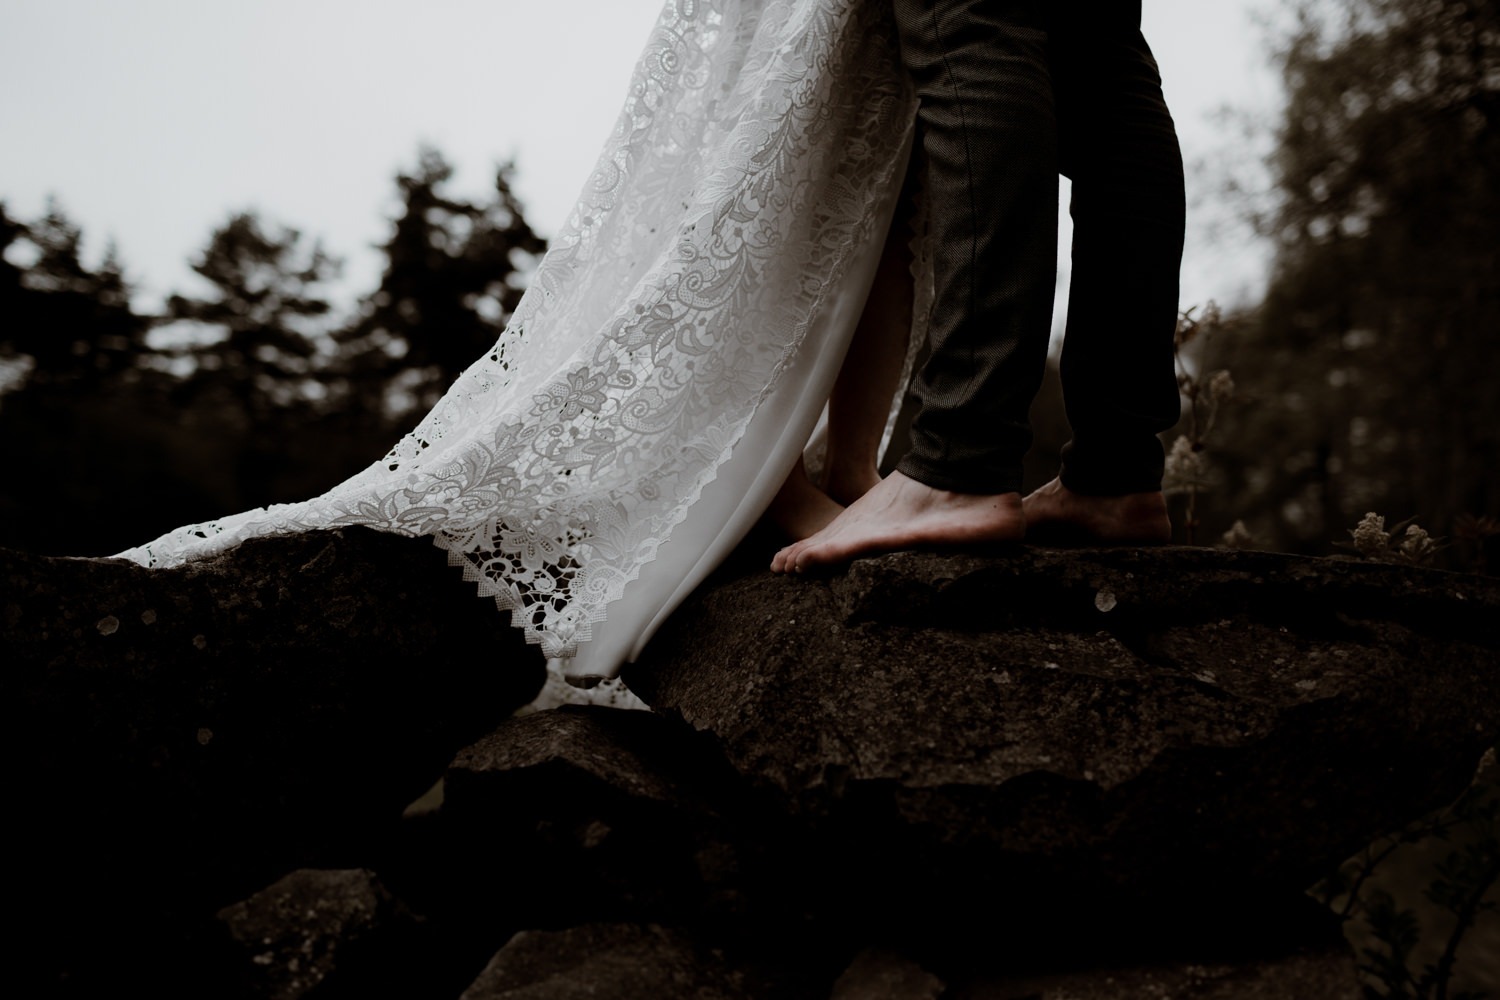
1012 94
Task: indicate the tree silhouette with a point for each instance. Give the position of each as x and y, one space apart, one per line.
453 277
254 337
75 323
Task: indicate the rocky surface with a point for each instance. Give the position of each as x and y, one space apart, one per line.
622 815
976 776
316 931
621 962
884 975
1323 974
182 737
1187 730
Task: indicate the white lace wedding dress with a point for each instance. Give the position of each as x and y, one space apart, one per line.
675 345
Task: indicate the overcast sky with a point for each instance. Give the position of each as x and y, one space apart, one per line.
153 120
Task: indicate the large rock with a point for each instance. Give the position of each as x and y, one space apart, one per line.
177 738
622 962
1325 974
1049 735
885 975
618 815
320 931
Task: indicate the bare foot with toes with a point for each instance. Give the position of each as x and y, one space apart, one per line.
901 513
1133 519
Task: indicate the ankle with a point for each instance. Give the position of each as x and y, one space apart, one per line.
848 481
1134 518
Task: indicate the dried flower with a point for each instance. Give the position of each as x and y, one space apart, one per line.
1188 470
1186 327
1417 546
1186 467
1370 538
1405 542
1220 386
1238 536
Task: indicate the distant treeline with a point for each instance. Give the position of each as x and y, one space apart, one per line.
120 424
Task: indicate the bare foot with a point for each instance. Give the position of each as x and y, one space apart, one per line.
901 513
1133 519
800 509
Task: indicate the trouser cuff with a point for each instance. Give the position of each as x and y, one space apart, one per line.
1113 470
960 477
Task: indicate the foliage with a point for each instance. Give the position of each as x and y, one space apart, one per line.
1188 470
1407 954
1374 352
257 340
73 323
453 276
1476 536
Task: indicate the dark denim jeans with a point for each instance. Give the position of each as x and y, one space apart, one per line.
1013 94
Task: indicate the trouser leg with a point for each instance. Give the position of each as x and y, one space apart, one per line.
1118 145
988 131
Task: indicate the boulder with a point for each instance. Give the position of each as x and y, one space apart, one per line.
317 932
179 737
620 962
1327 974
617 815
885 975
1109 738
1016 773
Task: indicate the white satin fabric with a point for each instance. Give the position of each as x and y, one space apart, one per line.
675 345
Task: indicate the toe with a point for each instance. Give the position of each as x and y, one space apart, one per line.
807 557
782 562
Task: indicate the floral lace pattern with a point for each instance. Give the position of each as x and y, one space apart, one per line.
737 182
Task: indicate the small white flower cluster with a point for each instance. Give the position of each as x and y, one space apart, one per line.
1186 467
1417 546
1188 470
1220 386
1411 545
1238 537
1370 537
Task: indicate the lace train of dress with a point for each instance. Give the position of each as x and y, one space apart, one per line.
675 345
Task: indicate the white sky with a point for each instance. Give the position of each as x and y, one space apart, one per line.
153 120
